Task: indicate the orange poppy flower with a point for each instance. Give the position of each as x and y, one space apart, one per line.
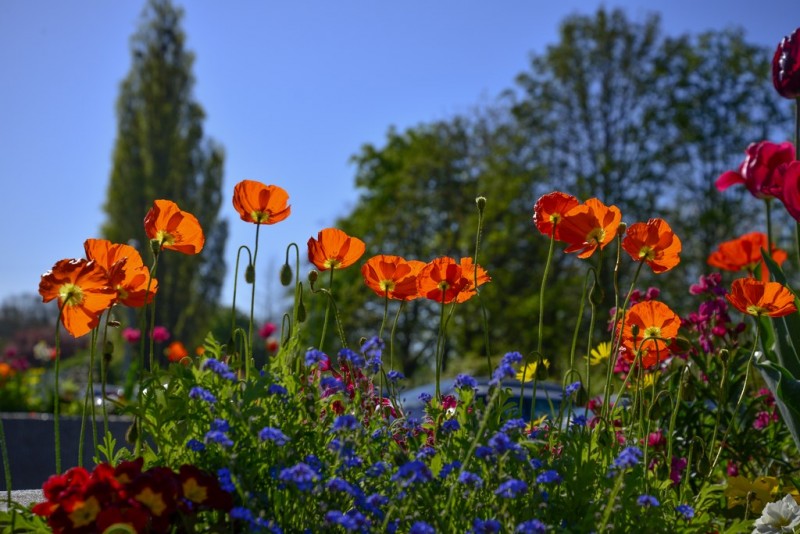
589 226
81 287
468 271
443 278
654 243
260 204
745 253
176 351
125 269
656 325
334 249
174 229
392 276
755 297
550 209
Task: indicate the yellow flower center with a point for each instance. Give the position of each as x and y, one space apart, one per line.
752 309
443 285
84 513
194 491
647 253
70 294
596 236
652 332
555 218
387 285
259 216
332 263
153 501
165 238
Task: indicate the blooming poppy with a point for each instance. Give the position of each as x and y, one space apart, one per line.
260 204
745 253
588 226
176 351
83 293
654 243
649 327
757 171
125 269
444 280
173 229
334 249
755 297
790 176
392 276
786 66
550 209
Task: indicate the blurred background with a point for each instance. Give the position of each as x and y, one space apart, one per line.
385 120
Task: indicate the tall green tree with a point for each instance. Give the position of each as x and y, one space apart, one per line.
161 151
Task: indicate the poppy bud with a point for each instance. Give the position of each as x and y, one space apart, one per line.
155 246
622 228
635 330
313 274
301 310
286 275
481 203
786 66
250 274
114 323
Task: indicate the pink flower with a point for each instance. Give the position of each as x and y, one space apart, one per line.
763 419
790 179
160 334
131 335
757 171
676 469
267 330
732 469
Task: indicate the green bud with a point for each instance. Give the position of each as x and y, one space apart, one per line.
108 350
286 274
581 397
301 310
313 274
622 228
155 246
683 344
635 330
250 274
481 203
133 432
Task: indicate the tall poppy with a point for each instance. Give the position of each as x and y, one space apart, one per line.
755 297
126 271
550 209
173 229
334 249
444 280
786 66
176 351
83 293
260 204
654 243
589 226
392 276
744 252
649 327
758 170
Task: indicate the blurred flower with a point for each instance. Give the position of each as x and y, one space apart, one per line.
392 276
757 171
600 354
754 297
534 526
444 280
176 351
274 435
550 209
160 334
260 204
125 270
131 335
786 66
44 352
779 517
745 253
334 249
686 511
758 493
267 329
528 372
173 229
653 242
589 226
647 501
83 293
649 328
790 177
272 345
511 488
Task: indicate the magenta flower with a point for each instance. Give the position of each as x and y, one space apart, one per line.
131 335
267 330
160 334
786 66
757 171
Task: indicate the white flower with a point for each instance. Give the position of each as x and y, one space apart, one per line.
778 517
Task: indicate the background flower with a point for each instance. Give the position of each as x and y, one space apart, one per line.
260 204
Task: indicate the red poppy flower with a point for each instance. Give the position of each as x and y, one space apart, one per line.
786 66
589 226
755 297
260 204
443 278
83 293
334 249
468 269
125 269
392 276
757 171
745 253
655 325
176 351
173 229
654 243
790 177
550 209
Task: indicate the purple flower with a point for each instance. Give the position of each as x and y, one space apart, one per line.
470 479
647 501
314 356
548 477
421 527
356 359
394 376
685 510
572 388
511 488
198 392
225 480
534 526
450 426
159 334
627 459
277 389
345 423
465 382
274 435
411 472
219 368
487 526
195 445
301 475
449 468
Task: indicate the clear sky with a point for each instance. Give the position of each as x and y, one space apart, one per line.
290 89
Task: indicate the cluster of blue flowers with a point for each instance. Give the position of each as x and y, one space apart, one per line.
373 350
506 368
219 368
273 434
412 472
628 458
314 356
203 394
345 423
301 476
219 433
465 382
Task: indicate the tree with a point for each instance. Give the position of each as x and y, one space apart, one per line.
161 152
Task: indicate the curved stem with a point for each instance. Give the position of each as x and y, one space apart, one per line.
235 283
385 311
484 315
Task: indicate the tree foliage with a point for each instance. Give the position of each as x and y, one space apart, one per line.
161 151
613 110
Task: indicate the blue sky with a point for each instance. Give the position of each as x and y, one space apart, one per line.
291 90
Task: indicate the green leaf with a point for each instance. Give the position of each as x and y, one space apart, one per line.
786 389
787 328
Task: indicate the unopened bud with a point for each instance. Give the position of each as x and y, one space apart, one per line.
133 432
301 310
114 323
313 274
108 349
622 228
635 330
286 274
250 274
155 246
481 203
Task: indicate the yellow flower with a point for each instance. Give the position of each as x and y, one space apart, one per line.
758 493
600 354
528 372
536 423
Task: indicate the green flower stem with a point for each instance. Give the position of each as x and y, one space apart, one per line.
327 311
550 251
56 396
481 202
152 307
140 394
439 342
674 416
249 344
104 375
235 283
391 335
611 498
385 311
6 464
592 318
89 400
722 395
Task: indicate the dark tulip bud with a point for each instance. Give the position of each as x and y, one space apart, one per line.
286 274
682 344
250 274
108 349
786 66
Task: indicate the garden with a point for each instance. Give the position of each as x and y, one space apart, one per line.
655 423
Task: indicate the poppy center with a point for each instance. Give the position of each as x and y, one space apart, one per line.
596 236
752 309
555 218
332 263
165 238
652 332
387 285
647 253
259 216
443 285
70 294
